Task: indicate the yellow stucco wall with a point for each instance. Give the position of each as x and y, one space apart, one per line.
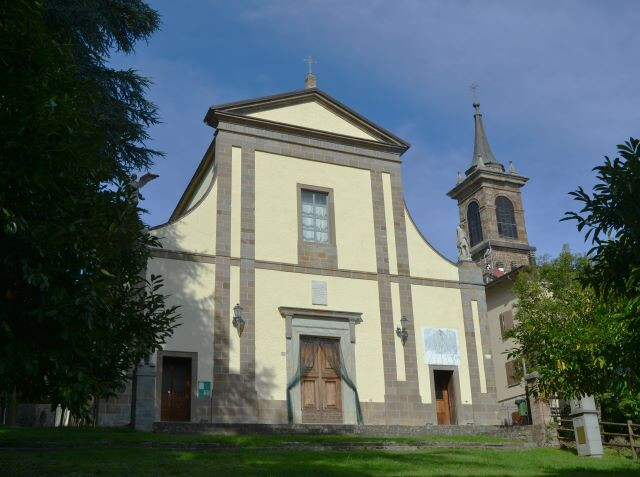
424 261
479 349
389 223
236 200
189 284
436 307
195 231
234 338
275 289
277 209
401 372
202 188
313 115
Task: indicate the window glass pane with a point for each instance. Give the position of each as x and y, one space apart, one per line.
322 237
474 223
307 197
506 218
315 216
320 198
320 211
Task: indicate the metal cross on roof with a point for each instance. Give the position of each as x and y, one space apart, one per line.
309 61
474 88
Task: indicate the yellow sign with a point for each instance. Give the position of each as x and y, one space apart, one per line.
582 438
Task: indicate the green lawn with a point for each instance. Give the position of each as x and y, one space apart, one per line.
121 458
105 435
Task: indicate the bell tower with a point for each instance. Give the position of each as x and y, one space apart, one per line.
491 212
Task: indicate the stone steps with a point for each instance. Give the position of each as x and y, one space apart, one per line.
284 446
520 433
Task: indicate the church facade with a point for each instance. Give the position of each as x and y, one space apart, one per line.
307 292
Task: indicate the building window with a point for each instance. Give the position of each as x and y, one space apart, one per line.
512 375
506 218
506 322
315 216
475 225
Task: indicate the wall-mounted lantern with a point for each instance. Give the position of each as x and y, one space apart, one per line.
238 322
401 331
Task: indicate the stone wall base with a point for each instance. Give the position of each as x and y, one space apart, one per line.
523 433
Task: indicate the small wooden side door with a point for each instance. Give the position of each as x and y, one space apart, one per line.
176 389
443 381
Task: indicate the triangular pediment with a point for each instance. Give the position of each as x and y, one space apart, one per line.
313 115
309 109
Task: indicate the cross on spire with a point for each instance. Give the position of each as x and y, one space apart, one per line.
309 61
474 89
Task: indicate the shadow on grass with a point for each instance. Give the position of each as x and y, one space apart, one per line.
107 461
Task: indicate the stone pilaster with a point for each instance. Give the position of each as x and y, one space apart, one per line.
484 408
145 397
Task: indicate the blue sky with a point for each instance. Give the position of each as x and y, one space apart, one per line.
559 88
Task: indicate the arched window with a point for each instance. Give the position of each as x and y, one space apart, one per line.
475 225
506 218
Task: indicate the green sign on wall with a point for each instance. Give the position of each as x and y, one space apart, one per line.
204 388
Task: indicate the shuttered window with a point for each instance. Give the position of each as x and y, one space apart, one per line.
506 321
315 216
512 379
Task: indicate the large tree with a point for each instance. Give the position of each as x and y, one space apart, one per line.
565 333
75 314
610 215
578 319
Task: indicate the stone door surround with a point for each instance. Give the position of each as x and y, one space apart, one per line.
321 323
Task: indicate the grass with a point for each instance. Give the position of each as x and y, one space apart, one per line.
105 435
122 459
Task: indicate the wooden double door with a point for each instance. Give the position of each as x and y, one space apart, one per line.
445 397
321 386
176 389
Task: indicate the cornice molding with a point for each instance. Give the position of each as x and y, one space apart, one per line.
301 96
289 313
500 244
483 176
239 119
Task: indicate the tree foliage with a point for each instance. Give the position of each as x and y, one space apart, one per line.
75 314
579 318
611 218
563 331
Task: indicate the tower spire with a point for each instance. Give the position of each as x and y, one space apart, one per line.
482 154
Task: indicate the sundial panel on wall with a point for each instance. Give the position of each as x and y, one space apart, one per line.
441 346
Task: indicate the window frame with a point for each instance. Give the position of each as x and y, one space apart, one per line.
512 381
330 215
473 243
506 322
501 224
317 197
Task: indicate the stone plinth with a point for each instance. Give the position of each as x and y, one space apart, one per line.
145 397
